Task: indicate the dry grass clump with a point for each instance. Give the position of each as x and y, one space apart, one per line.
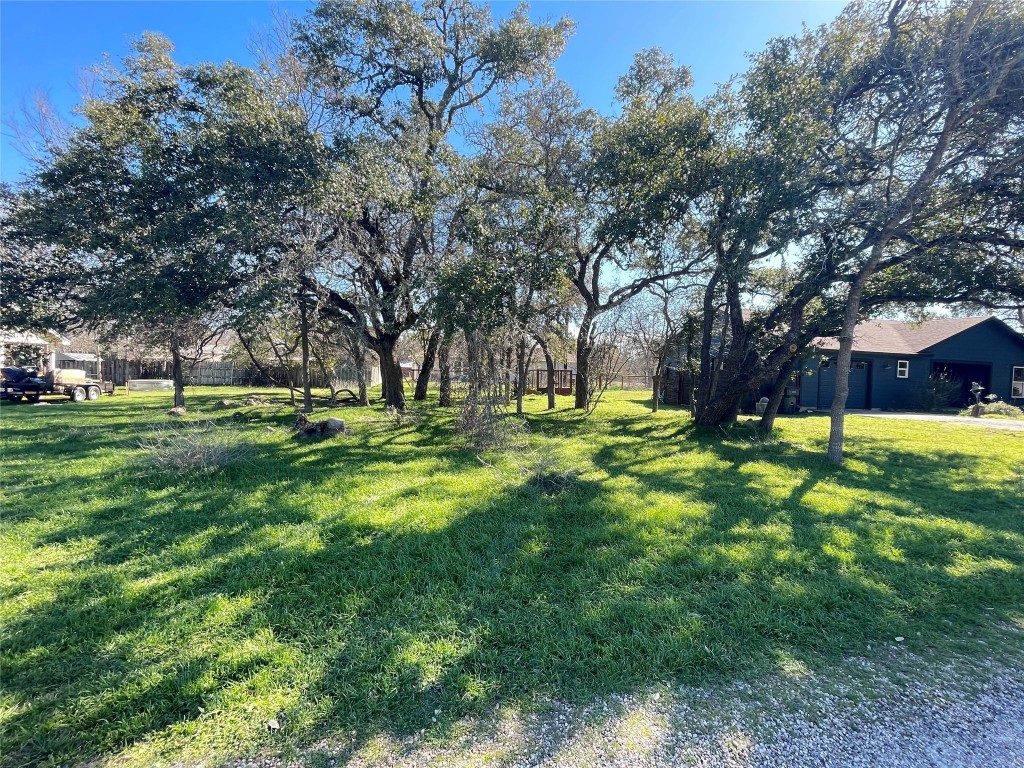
204 447
396 418
545 472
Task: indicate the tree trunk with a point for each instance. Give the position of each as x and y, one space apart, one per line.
549 363
722 409
354 342
423 380
584 344
656 389
719 362
362 379
844 360
520 375
178 374
775 398
392 383
705 372
307 392
506 364
475 372
445 370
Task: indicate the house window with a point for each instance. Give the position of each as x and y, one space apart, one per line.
903 369
1017 386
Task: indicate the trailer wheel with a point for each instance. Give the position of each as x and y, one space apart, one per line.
94 393
14 398
33 398
77 395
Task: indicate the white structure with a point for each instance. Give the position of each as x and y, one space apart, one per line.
48 344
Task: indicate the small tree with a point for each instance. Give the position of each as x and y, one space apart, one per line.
654 324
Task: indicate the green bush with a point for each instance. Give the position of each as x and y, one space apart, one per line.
941 392
997 408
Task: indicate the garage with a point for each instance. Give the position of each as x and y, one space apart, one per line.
860 386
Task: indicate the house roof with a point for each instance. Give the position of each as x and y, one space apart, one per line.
77 357
897 337
11 336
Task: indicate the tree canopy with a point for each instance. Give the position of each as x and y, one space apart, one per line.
401 168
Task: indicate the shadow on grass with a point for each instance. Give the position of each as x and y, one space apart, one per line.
270 586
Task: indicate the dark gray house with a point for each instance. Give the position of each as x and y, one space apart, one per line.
893 360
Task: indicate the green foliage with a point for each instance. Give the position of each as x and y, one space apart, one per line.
997 409
395 77
940 393
25 355
373 55
158 201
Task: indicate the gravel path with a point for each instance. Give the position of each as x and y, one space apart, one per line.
886 709
1011 424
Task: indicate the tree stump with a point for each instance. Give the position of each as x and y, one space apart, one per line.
332 427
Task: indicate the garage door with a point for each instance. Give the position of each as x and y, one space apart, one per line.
859 375
859 379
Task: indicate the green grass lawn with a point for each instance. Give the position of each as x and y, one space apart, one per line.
378 582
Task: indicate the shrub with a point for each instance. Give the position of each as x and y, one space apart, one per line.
195 447
997 408
941 392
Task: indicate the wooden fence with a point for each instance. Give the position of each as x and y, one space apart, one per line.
227 374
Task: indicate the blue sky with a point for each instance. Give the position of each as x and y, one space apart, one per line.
45 46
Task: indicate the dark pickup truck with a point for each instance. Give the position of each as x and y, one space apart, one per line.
72 383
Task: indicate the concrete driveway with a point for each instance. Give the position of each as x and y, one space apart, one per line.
1013 425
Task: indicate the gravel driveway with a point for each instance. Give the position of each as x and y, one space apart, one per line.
1011 424
888 708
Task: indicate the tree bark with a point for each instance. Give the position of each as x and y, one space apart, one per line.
707 330
584 345
178 374
423 380
775 398
362 379
844 362
307 392
445 370
718 411
724 407
656 389
844 359
475 372
392 383
520 374
549 363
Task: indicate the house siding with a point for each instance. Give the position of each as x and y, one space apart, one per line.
990 343
818 383
892 393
